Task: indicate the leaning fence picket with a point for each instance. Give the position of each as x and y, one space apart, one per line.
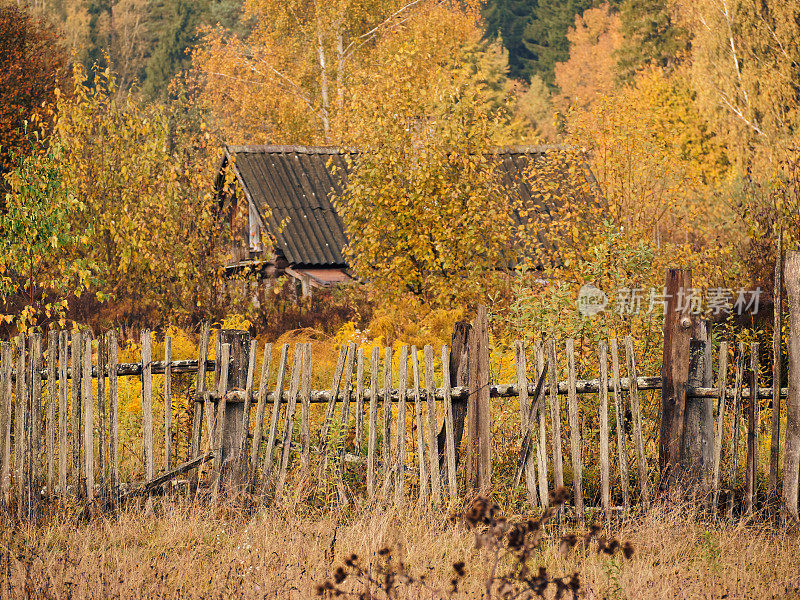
372 437
344 426
147 403
167 403
777 365
330 409
541 436
450 446
291 403
359 438
400 468
421 452
113 410
102 441
752 432
35 440
209 408
637 420
387 422
258 431
243 467
200 388
50 427
63 341
433 448
305 408
619 415
525 421
88 416
277 398
605 487
75 349
574 430
6 366
722 374
34 411
218 426
737 416
555 414
19 424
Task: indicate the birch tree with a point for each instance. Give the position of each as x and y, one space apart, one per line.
294 77
746 64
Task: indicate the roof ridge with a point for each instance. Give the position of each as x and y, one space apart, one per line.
289 149
286 149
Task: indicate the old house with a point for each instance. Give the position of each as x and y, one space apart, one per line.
286 223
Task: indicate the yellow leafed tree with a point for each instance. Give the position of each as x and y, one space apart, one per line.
298 76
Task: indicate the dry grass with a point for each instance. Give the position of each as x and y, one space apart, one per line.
185 551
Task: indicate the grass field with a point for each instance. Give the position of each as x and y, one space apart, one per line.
180 550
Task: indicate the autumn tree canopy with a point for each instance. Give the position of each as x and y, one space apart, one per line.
299 77
32 65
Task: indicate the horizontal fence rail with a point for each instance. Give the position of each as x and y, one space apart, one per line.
508 390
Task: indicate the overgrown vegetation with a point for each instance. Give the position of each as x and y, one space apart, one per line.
677 137
185 551
675 126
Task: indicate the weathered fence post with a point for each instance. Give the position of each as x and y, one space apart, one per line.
233 423
791 452
687 422
6 360
674 374
75 400
697 444
478 407
777 333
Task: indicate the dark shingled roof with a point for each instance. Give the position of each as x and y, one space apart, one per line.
297 182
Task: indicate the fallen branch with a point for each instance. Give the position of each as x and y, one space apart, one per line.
148 487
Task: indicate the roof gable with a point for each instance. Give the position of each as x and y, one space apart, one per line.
290 188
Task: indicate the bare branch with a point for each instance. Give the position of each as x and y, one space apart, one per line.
739 114
369 35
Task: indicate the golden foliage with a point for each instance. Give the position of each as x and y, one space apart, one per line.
149 214
590 70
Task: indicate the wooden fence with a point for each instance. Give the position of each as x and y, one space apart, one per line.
397 431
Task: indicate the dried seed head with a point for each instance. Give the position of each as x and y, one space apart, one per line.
627 549
540 582
574 583
324 587
516 537
459 568
559 495
594 529
567 543
482 510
